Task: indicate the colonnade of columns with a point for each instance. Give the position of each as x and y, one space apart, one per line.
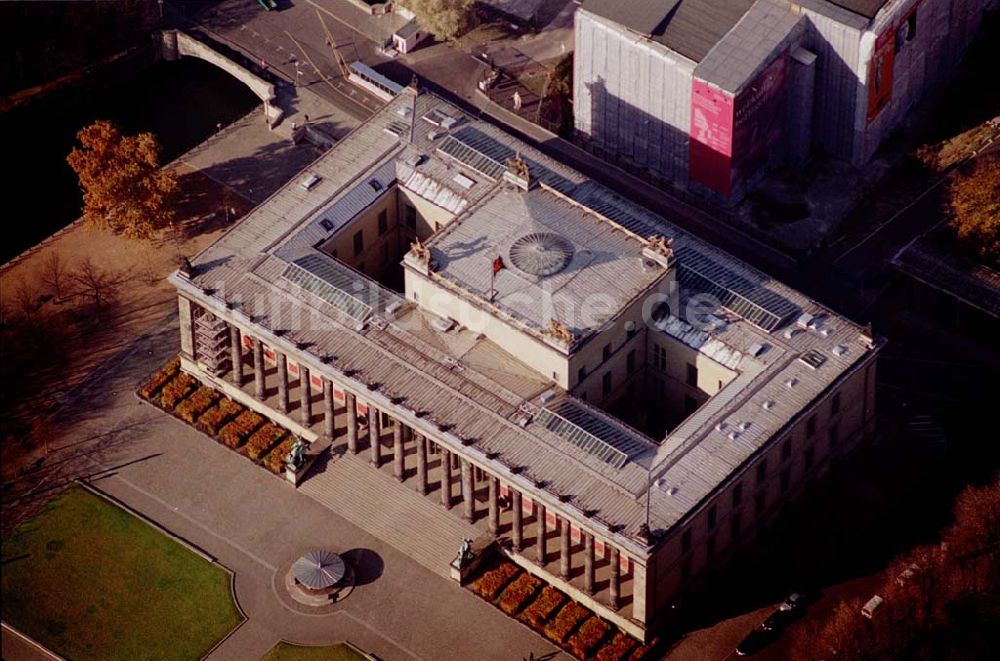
448 460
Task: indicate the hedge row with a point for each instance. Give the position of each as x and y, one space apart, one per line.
564 623
191 408
215 418
588 636
275 460
617 648
174 392
543 606
263 440
238 431
493 581
518 593
160 379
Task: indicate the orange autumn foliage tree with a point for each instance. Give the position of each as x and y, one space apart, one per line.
124 189
975 208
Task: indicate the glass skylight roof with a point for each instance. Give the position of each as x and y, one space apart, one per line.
339 287
761 307
586 430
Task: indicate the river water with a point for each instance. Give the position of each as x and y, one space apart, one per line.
180 102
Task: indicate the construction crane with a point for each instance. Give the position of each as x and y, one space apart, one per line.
341 62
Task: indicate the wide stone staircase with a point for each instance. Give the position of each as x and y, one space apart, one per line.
375 502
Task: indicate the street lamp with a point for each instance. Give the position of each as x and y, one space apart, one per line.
298 72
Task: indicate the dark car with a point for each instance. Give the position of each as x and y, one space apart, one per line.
789 609
755 641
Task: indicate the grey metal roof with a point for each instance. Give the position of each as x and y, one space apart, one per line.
472 393
688 27
866 8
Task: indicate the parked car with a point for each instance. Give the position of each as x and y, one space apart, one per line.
787 611
871 607
755 641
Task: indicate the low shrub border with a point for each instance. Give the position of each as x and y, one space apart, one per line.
518 593
562 626
543 607
160 379
237 432
174 392
493 581
213 420
263 440
191 408
588 637
617 648
275 459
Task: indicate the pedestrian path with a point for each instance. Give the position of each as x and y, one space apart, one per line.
374 501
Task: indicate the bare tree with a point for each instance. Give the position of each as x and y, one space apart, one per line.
55 274
25 301
98 284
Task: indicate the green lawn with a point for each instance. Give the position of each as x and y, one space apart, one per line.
288 652
90 581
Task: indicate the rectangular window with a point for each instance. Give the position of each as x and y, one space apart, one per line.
359 242
711 517
686 541
737 494
606 352
411 216
383 222
659 357
811 426
692 375
760 501
761 472
630 331
630 362
786 450
786 479
606 384
581 374
835 403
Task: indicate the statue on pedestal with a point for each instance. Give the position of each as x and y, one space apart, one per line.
296 455
465 554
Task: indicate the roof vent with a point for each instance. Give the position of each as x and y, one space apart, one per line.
813 359
757 349
839 350
443 324
791 332
767 404
541 253
804 320
434 135
326 224
308 182
547 396
734 435
721 426
376 185
792 382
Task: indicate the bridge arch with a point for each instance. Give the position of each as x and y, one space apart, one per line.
175 44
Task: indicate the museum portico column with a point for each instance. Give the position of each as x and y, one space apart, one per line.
305 397
352 423
588 563
517 518
616 577
540 541
398 457
421 463
374 436
445 479
565 556
494 522
282 382
236 355
259 376
468 492
328 419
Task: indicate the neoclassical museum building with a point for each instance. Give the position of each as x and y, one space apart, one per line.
620 404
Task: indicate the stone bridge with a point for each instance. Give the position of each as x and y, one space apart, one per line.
175 44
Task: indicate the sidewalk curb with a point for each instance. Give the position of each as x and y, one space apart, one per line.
41 649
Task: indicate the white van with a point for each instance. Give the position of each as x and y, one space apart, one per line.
868 610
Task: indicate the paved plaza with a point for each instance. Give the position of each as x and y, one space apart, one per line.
256 524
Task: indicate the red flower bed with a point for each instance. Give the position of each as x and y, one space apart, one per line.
640 653
494 580
564 623
160 379
518 593
617 648
213 420
588 636
275 459
191 408
543 606
263 440
238 431
174 392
